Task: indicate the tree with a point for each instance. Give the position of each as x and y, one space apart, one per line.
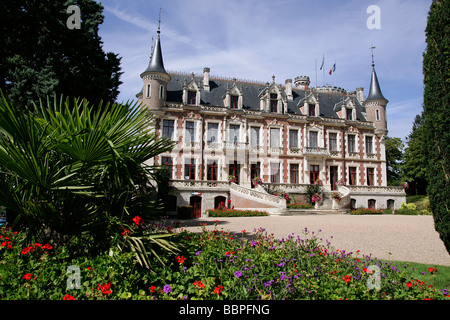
40 56
394 156
436 70
415 161
77 173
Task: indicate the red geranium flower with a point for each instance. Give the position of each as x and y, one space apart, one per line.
26 250
27 276
347 278
106 288
47 246
152 288
199 284
432 270
218 289
138 220
68 297
181 259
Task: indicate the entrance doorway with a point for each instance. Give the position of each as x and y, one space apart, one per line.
196 203
333 177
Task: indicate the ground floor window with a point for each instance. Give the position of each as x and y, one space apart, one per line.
371 204
313 173
275 172
390 204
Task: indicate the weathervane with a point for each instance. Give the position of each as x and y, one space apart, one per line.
159 21
371 48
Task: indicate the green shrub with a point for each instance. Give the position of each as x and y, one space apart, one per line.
235 213
360 211
300 206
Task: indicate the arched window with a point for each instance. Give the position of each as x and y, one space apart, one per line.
371 203
390 204
220 201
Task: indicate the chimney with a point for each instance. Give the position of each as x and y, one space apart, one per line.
360 94
289 89
206 79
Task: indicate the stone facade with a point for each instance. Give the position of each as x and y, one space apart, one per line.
287 135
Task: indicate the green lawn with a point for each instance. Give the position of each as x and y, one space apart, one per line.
440 279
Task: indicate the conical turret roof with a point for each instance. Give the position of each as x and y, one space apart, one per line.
374 90
156 63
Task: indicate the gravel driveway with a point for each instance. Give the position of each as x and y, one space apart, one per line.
393 237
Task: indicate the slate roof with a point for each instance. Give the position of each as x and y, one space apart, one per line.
374 89
329 102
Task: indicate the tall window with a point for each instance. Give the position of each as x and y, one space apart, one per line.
274 137
370 176
192 97
254 136
213 132
293 138
167 163
168 128
254 170
313 173
189 169
349 114
333 141
275 172
352 176
312 110
351 143
273 102
234 133
333 177
234 102
372 204
294 174
161 92
378 115
212 170
313 139
190 131
149 91
369 145
234 170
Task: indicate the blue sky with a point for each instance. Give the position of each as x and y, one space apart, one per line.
255 39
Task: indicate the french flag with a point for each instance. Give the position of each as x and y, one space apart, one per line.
333 69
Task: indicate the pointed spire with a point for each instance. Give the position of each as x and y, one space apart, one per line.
374 89
156 63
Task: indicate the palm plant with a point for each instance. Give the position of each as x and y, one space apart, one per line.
74 171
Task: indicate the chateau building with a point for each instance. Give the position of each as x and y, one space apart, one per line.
288 135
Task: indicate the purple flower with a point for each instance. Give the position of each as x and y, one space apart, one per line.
167 288
238 274
197 253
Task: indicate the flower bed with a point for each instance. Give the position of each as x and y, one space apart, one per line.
214 264
224 212
360 211
300 206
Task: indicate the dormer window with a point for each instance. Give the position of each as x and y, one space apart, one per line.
312 110
234 102
349 114
273 102
192 95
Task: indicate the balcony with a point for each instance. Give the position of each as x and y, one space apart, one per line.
315 151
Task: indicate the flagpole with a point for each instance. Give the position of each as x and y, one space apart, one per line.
315 62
